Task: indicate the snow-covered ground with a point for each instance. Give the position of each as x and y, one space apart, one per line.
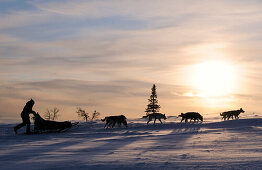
214 144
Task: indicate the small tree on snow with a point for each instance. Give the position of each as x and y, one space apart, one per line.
153 106
52 114
95 115
82 114
48 114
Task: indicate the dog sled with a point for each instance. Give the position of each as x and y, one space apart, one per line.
47 126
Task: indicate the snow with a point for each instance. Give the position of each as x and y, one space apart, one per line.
213 144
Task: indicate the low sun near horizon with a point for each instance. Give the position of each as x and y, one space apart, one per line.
203 56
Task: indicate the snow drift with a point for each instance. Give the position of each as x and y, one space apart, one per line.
233 144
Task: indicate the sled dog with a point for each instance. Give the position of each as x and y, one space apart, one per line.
155 116
192 116
232 114
112 120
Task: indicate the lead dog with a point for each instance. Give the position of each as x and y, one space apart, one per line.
232 114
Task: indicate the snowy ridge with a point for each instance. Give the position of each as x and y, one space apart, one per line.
233 144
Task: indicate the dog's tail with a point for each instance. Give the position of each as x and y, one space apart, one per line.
145 116
181 115
103 119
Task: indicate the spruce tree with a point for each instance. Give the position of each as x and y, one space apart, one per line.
153 106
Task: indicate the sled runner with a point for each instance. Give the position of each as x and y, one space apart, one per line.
47 126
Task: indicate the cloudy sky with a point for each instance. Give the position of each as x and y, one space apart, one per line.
105 54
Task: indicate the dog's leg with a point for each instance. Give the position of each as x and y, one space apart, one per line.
106 125
160 120
125 123
119 124
109 125
155 120
114 123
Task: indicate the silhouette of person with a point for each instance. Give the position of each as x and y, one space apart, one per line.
25 116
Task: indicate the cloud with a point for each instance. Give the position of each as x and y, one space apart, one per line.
22 18
55 50
108 97
146 8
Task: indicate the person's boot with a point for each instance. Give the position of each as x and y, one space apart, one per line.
15 129
28 129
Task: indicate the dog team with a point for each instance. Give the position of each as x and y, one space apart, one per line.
111 121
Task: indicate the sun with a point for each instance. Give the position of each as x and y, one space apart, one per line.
214 78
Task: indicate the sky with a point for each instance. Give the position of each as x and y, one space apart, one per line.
105 55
